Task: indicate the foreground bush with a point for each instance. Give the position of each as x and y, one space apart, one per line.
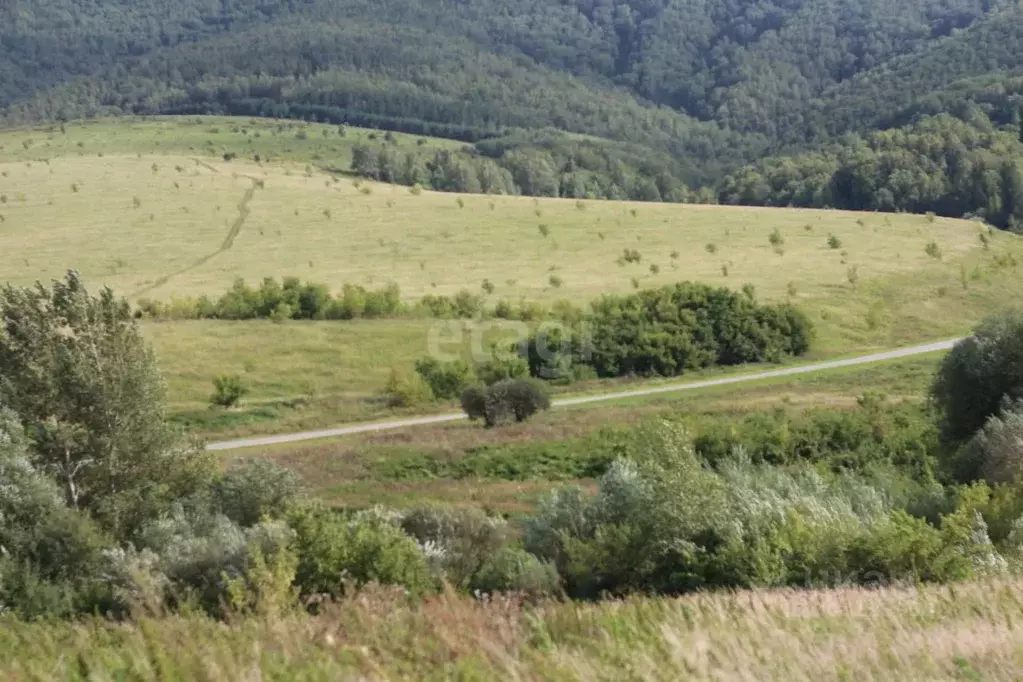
460 540
664 523
335 550
995 453
515 570
250 491
978 374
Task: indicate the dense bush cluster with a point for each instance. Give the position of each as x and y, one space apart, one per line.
669 331
662 521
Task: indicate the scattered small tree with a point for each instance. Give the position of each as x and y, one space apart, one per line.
406 389
852 275
228 390
445 379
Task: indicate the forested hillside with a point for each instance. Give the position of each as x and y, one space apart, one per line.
671 94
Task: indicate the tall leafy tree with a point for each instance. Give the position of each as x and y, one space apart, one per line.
85 385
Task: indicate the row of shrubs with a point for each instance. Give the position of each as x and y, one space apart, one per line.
292 299
249 542
662 521
657 332
669 331
878 435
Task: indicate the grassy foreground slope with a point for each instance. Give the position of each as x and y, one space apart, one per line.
963 632
152 208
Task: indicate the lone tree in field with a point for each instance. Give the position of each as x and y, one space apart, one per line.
76 371
980 375
506 400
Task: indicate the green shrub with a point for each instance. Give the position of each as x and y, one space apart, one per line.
406 389
334 549
502 366
995 453
464 305
933 250
445 379
465 539
228 390
251 490
193 556
663 522
834 242
474 402
383 302
516 570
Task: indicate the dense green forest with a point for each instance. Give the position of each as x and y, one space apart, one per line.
612 99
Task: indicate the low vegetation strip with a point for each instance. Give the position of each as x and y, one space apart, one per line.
962 632
581 400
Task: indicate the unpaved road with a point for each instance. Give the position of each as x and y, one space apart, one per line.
566 402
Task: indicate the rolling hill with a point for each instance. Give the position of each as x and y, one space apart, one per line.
174 207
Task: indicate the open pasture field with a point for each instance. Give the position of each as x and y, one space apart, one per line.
153 209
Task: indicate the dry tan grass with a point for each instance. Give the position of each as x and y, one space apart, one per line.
968 631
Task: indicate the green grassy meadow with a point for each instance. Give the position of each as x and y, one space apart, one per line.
153 209
507 470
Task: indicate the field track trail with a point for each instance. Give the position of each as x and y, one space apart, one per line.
567 402
232 234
